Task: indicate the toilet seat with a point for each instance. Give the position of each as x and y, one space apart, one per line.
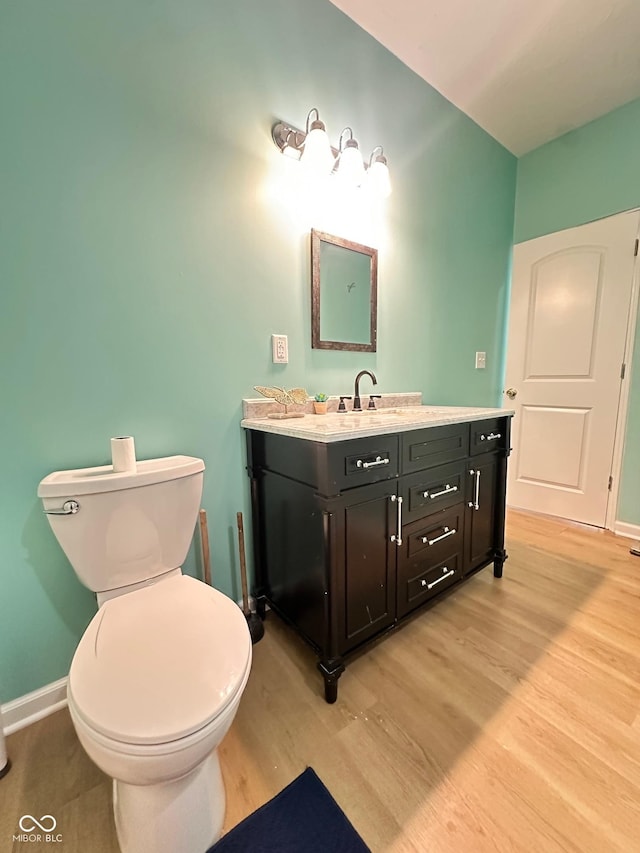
161 663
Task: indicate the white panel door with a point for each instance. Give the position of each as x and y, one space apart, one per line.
570 302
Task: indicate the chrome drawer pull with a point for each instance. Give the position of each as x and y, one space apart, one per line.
447 489
68 508
447 532
397 536
475 503
448 574
379 461
491 437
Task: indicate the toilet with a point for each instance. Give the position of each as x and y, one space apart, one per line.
158 675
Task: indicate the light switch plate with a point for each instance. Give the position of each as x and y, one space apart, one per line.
481 360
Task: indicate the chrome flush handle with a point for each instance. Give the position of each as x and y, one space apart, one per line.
68 508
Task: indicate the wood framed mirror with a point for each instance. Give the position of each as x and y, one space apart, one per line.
344 294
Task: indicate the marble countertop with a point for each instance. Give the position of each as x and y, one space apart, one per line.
338 426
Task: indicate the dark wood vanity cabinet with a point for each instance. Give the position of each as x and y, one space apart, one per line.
352 536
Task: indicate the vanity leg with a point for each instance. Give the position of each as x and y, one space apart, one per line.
331 671
498 563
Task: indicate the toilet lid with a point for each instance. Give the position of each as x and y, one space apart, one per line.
160 663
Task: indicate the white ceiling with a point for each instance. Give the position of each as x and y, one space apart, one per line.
526 71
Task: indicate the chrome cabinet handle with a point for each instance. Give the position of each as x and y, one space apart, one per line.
491 437
475 503
447 490
447 532
379 461
443 577
397 537
68 508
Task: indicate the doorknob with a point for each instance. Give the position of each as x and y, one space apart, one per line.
511 393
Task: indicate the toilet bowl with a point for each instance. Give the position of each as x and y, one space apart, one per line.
153 688
158 675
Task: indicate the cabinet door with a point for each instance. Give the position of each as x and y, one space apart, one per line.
481 521
365 563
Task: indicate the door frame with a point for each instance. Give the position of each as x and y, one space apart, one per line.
623 399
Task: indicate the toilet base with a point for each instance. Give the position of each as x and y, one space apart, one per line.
182 816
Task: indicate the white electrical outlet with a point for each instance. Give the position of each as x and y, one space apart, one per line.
481 360
280 349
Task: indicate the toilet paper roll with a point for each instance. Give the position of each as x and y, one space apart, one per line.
123 454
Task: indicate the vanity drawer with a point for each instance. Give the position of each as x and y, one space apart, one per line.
488 435
364 460
422 580
434 537
432 490
424 448
329 468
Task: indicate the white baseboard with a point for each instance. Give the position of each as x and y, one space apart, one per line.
631 531
34 706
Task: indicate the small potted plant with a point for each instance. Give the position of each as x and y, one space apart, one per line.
320 404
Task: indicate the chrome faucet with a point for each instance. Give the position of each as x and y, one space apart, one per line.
357 406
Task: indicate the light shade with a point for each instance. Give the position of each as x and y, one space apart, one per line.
378 180
316 154
350 168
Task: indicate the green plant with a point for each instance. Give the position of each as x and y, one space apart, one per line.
321 398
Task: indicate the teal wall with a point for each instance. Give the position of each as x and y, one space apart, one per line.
588 174
152 238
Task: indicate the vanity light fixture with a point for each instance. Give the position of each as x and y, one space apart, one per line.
312 147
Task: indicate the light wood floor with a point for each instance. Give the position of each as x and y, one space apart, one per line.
506 718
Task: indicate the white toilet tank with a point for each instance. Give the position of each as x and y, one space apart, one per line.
128 527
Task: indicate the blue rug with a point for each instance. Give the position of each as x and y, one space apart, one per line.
303 818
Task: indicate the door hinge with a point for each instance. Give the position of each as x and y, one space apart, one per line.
635 250
610 483
623 370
